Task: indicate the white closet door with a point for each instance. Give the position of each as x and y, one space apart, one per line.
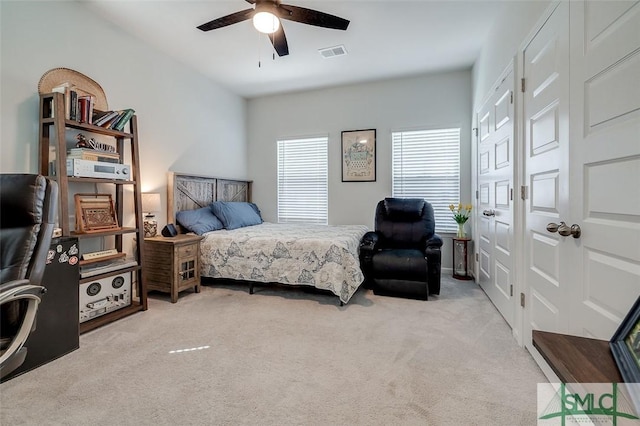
605 163
494 215
548 257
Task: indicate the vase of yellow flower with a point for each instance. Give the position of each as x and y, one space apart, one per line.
461 214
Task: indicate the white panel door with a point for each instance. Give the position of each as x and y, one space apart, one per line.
494 215
605 162
547 256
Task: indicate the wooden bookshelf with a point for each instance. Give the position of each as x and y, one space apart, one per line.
53 146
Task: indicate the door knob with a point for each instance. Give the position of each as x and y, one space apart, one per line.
576 231
553 227
489 212
564 229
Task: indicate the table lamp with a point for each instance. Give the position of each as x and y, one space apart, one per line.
150 205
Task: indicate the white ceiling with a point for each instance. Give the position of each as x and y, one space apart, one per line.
385 39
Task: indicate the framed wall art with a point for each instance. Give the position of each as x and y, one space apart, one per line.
359 155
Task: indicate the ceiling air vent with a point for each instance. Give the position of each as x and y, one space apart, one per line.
330 52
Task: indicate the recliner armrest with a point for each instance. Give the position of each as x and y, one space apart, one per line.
434 242
368 246
434 256
369 242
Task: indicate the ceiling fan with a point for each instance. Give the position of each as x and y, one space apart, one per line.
266 15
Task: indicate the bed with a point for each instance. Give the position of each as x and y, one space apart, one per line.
323 257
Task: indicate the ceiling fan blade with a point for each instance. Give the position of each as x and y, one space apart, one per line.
251 1
312 17
279 41
234 18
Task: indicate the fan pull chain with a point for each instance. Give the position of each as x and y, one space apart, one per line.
273 42
259 52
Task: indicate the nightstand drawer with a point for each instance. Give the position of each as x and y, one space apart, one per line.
188 250
159 251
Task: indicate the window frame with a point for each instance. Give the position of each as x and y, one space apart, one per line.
443 216
318 215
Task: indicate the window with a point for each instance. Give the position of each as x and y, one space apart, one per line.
303 181
426 164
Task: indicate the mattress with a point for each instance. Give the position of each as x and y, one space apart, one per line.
325 257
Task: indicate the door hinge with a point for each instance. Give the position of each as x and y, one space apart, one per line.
476 257
511 97
511 290
522 85
476 194
475 130
522 299
523 192
511 196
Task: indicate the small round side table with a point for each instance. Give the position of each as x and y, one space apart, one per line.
461 258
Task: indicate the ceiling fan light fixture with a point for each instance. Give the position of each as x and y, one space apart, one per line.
266 22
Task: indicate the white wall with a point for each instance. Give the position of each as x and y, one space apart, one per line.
186 122
511 28
408 103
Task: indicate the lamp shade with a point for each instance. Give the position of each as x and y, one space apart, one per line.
150 202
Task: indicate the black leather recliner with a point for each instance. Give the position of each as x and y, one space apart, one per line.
28 208
402 257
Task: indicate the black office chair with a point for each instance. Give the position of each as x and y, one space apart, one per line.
402 257
28 209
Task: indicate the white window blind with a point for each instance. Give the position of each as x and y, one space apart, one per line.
303 180
426 164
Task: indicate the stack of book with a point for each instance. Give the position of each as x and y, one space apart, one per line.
115 120
93 155
79 106
78 103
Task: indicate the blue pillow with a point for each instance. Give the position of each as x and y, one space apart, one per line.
236 214
199 220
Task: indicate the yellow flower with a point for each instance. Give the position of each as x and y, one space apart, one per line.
462 213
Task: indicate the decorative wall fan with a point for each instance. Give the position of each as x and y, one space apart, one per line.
266 15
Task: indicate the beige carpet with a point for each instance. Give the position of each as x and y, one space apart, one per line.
288 357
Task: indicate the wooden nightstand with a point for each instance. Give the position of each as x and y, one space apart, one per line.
172 264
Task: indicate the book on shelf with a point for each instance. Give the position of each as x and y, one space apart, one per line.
97 115
65 88
123 119
96 256
84 106
111 121
73 110
79 103
114 120
93 155
105 117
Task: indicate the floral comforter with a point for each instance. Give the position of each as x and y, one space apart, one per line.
325 257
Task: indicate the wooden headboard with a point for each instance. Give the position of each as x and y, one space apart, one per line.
188 192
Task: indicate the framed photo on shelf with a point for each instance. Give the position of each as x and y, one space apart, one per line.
95 213
359 155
